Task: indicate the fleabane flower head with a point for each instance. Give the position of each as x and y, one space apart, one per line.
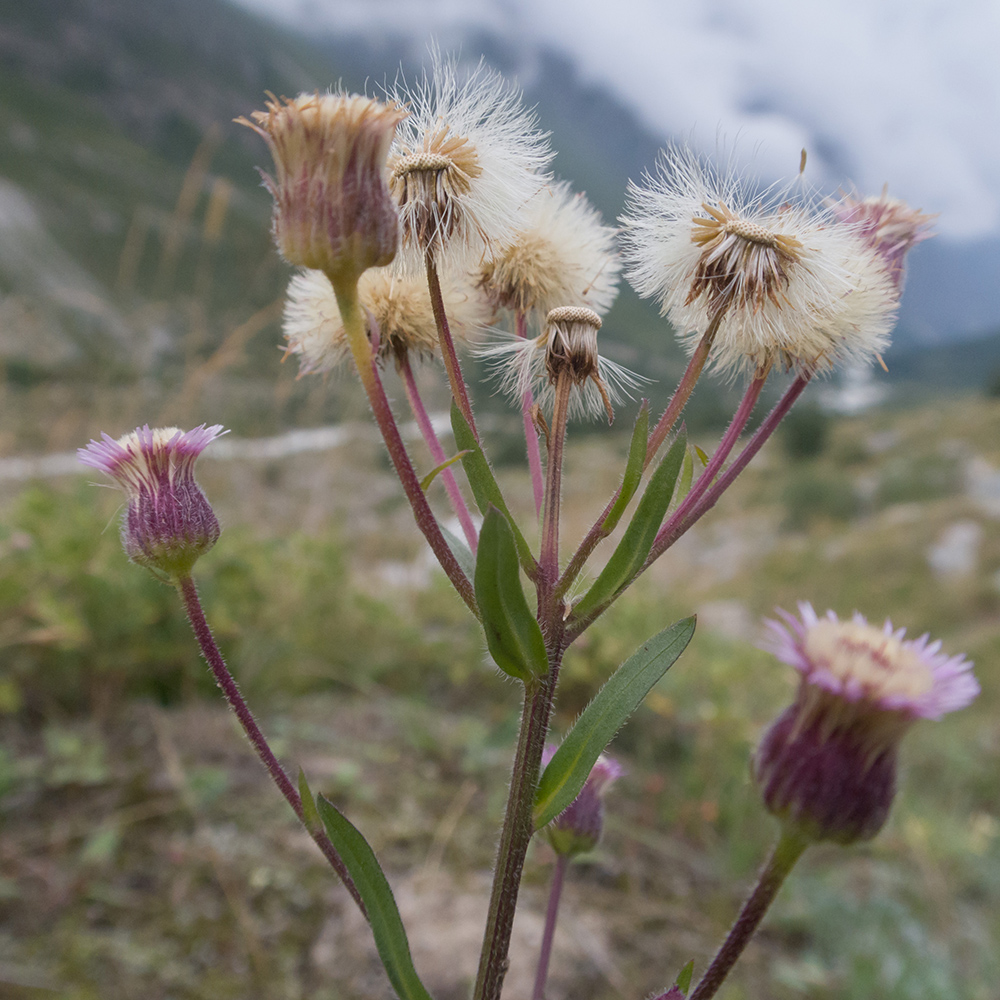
577 829
778 276
566 347
562 252
332 208
463 164
168 523
827 766
888 225
399 317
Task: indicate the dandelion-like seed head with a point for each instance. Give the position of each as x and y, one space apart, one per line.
398 314
464 162
828 764
332 208
562 252
577 829
779 277
168 523
888 225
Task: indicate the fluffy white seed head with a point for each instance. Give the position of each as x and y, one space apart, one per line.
561 255
397 311
783 277
466 160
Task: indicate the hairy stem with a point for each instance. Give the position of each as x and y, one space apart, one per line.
515 834
551 913
549 556
711 496
192 605
787 851
684 388
705 480
448 355
350 312
458 504
530 431
678 401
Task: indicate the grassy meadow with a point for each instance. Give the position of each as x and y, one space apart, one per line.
146 854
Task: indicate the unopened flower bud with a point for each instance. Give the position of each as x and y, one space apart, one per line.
827 766
577 829
332 207
889 226
168 523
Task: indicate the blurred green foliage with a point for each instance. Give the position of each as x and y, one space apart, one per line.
85 630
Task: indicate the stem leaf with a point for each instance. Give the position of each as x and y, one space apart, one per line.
461 551
607 712
513 635
438 469
309 814
633 469
638 539
383 915
485 488
683 980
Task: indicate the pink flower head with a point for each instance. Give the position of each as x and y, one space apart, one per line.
888 225
578 827
168 523
828 764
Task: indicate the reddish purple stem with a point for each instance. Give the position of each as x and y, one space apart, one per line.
430 437
551 913
711 496
530 431
192 604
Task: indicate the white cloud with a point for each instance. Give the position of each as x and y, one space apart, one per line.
902 92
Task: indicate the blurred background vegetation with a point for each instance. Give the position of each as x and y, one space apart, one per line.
144 853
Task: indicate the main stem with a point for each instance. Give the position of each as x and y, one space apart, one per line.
551 913
786 852
192 605
346 290
515 834
458 504
517 829
450 358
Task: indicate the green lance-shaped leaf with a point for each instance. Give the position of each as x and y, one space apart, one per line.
461 551
383 915
485 488
610 708
633 469
638 539
513 635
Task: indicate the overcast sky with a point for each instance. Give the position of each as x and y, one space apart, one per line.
897 91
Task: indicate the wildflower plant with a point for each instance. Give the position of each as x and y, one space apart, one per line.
432 214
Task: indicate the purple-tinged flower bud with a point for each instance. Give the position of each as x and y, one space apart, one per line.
889 226
577 829
168 523
827 766
332 207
